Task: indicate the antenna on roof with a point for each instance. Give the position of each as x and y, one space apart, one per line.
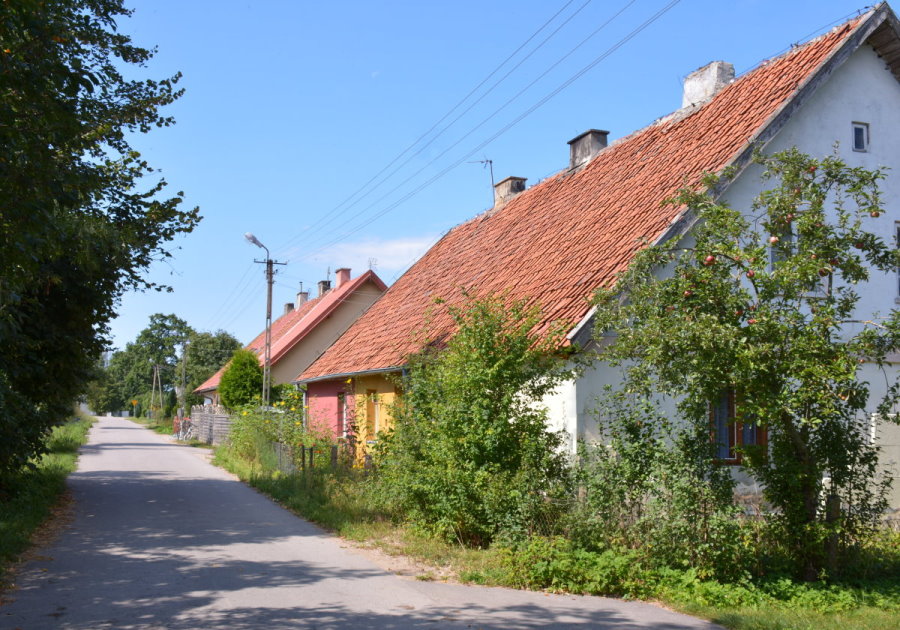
328 273
373 262
490 165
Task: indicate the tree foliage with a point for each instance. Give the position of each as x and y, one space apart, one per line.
470 456
78 222
242 380
129 375
765 304
206 353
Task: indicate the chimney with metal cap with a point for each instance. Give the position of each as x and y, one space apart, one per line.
342 276
506 189
324 287
702 84
585 147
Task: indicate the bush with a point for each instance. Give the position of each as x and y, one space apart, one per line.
470 457
242 380
657 489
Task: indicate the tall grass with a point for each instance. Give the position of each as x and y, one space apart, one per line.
31 495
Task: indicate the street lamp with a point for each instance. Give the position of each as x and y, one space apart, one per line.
267 374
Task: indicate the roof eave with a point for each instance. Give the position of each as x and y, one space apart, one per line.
346 375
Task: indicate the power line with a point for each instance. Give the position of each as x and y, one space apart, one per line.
499 133
365 187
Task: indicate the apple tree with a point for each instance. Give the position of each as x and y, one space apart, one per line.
760 309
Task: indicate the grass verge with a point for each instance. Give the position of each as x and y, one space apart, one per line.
163 426
35 492
345 504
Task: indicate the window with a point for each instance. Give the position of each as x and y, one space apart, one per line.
731 436
371 414
781 250
341 415
897 244
861 136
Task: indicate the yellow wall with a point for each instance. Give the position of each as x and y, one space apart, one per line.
374 396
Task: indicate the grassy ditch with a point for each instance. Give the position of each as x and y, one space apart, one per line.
36 492
346 502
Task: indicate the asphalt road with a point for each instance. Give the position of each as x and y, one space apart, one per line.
162 539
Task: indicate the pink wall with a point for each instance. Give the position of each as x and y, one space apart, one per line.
322 400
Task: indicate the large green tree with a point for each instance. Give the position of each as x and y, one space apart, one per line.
130 373
206 352
80 220
759 307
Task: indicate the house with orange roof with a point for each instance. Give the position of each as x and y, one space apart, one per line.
309 326
558 241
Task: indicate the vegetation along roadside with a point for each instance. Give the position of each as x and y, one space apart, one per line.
470 481
38 490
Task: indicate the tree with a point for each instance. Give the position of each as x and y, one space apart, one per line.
242 380
130 373
470 456
206 353
762 307
78 222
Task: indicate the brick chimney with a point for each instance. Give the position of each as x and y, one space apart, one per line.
324 287
701 85
288 307
302 298
585 147
342 276
506 189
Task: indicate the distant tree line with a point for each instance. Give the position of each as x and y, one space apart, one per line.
181 355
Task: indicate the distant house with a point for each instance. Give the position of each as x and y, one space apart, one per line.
308 327
558 241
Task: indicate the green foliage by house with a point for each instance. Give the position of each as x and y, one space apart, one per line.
470 456
81 215
242 380
763 304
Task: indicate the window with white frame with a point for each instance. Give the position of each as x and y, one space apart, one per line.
861 137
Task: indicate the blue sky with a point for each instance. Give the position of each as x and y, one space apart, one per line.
293 111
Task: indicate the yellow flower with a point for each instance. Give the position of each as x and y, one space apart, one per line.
293 409
245 413
349 380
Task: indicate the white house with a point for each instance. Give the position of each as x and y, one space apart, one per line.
558 241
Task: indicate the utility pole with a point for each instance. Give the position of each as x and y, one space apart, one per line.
270 275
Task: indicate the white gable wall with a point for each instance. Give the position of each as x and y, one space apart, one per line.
861 90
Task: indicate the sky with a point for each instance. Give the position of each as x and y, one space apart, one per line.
354 134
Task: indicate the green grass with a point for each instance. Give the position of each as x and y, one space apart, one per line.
345 504
35 492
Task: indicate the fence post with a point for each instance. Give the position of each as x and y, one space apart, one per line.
334 457
312 457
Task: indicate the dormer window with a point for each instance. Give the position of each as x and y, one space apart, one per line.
861 136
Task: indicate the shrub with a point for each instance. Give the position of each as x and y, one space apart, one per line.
470 457
242 380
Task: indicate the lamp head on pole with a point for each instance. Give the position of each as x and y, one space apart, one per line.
249 236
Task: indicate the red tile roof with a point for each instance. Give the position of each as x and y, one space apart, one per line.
563 238
289 329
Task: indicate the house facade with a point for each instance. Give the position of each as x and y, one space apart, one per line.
308 327
558 241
